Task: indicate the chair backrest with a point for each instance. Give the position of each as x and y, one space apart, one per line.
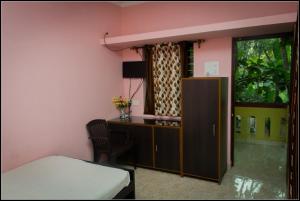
99 135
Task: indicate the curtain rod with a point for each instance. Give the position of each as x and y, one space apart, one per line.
193 41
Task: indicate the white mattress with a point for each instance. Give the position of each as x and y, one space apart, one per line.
58 177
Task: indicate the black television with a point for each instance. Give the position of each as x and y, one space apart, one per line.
134 69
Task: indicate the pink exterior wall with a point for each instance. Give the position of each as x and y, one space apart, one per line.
157 16
55 77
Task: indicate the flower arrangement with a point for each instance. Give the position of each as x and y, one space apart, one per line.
120 102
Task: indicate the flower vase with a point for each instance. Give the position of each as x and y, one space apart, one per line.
122 113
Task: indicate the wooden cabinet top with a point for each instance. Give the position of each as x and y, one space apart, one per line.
135 120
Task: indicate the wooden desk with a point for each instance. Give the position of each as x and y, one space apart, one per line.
135 120
156 142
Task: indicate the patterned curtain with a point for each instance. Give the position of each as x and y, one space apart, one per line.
149 99
167 75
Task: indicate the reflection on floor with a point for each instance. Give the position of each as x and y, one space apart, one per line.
259 173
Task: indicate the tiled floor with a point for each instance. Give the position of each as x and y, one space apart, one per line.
259 173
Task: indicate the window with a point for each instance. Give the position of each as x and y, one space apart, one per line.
262 70
267 126
252 125
190 59
238 120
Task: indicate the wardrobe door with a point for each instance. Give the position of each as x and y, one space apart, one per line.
200 125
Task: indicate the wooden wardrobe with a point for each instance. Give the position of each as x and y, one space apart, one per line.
204 127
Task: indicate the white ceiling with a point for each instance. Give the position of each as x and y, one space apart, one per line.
126 3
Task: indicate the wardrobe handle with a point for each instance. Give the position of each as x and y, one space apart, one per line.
214 130
156 148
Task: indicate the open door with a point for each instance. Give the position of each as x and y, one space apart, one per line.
292 174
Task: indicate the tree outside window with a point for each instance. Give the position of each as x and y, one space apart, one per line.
262 71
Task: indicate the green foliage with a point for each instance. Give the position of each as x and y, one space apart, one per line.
262 73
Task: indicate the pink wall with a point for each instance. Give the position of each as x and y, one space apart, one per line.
137 109
156 16
55 77
217 49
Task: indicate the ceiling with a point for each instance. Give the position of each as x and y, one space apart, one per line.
126 3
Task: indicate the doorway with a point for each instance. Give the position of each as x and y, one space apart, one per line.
260 111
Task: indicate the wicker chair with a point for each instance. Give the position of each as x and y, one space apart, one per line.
104 141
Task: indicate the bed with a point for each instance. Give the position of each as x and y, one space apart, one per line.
60 177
